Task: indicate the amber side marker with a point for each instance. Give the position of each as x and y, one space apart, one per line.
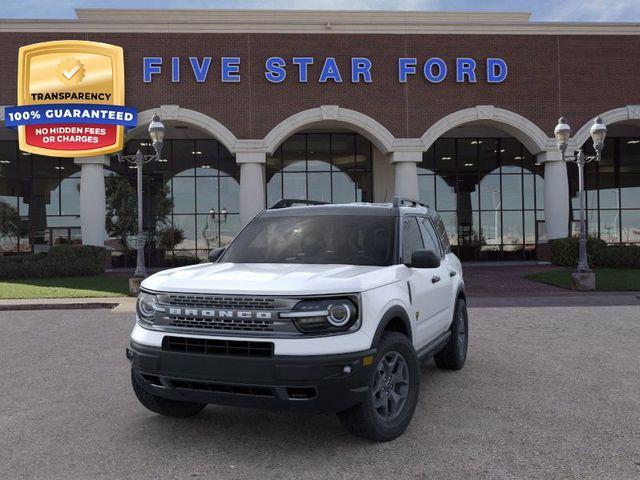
368 360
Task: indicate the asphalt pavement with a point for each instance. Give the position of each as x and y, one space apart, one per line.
547 393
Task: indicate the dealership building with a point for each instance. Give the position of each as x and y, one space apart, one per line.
456 109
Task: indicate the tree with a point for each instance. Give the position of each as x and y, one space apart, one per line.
122 208
9 222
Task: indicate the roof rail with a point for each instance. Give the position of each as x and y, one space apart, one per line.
292 202
400 201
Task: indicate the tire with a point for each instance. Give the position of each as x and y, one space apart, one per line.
395 356
164 406
454 353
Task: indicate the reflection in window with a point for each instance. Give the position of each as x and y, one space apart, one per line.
328 167
489 193
612 191
200 181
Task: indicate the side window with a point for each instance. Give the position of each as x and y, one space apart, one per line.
411 238
429 236
442 233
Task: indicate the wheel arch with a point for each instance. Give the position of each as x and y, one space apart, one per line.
395 319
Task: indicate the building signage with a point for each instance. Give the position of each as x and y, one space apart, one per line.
323 70
70 99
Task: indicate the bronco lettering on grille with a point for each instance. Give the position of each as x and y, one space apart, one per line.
210 313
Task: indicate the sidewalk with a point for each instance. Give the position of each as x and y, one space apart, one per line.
117 304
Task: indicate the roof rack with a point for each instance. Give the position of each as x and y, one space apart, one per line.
400 201
293 202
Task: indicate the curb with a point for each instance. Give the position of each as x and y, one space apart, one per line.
57 306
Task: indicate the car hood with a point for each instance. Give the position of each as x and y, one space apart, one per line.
271 278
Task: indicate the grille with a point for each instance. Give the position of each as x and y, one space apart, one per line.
252 390
207 323
217 347
219 301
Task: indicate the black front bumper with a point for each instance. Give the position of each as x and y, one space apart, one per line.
324 384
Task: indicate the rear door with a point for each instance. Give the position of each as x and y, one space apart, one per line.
444 284
424 285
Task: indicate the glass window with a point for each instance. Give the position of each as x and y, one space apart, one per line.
411 238
512 192
207 194
426 189
318 151
316 239
490 198
511 155
445 194
610 226
328 167
630 222
429 237
183 155
442 234
183 195
294 154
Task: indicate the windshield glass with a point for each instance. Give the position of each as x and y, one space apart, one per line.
320 239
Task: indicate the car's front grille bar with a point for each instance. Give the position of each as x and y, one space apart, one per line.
209 346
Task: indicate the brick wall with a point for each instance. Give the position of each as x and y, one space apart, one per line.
578 76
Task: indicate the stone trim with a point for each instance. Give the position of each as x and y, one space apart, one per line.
358 122
200 120
324 22
628 112
532 136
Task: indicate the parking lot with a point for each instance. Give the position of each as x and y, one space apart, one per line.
550 392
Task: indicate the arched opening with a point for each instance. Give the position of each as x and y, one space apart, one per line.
329 154
330 164
488 189
39 199
191 198
612 186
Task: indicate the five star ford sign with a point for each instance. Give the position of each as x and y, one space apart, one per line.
70 99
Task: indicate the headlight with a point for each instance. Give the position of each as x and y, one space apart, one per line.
324 315
146 306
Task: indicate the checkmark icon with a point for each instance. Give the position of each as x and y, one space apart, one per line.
71 73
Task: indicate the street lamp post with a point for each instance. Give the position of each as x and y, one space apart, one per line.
156 133
598 132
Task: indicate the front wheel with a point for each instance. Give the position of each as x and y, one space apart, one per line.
454 353
164 406
393 392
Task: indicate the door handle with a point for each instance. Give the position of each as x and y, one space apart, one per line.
452 273
435 279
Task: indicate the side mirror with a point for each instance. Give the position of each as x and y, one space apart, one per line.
216 253
425 259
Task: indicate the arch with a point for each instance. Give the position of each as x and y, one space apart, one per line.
622 114
197 119
382 138
527 132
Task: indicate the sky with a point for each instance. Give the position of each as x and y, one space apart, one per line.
542 10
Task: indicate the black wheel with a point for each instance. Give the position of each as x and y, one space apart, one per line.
393 392
454 353
164 406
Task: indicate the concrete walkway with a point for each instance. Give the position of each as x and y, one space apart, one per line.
494 285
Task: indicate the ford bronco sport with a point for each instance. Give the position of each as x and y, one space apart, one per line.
321 308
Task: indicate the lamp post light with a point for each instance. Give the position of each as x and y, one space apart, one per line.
156 133
562 133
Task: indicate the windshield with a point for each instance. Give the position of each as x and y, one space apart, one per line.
320 239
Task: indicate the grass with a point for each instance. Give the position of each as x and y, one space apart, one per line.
69 287
607 279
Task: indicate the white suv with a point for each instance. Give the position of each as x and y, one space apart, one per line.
322 308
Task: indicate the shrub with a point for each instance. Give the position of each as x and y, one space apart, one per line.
564 252
61 261
173 261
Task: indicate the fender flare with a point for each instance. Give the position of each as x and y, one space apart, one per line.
394 312
460 293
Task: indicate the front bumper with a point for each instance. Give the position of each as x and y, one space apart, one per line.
319 383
